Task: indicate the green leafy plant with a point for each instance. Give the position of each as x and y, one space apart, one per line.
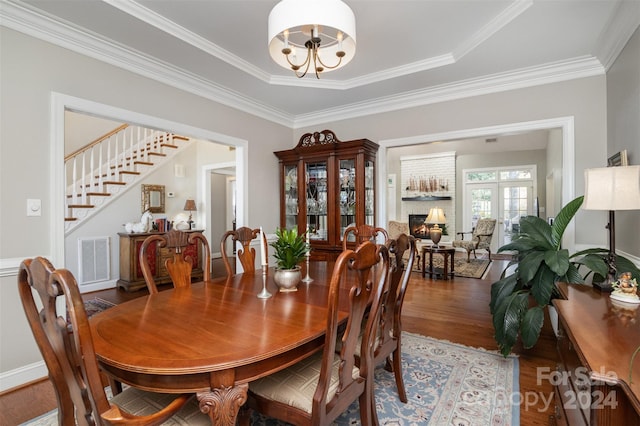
518 300
290 248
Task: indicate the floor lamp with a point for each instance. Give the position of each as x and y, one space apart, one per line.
611 189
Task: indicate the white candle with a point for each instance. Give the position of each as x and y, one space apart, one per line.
308 246
263 254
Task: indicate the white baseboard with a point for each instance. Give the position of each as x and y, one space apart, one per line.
23 375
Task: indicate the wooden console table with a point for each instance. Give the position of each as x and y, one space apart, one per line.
597 337
131 278
447 253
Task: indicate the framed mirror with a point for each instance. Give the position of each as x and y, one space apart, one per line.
153 198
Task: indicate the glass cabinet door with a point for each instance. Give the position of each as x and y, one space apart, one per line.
369 193
347 194
291 195
316 196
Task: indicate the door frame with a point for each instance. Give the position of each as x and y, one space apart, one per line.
61 103
566 124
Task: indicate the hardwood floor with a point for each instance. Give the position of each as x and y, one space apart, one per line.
456 310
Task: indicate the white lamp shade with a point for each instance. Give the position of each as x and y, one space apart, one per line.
612 188
436 215
299 16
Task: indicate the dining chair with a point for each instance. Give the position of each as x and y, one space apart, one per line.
388 346
66 345
480 238
316 390
246 254
362 233
183 254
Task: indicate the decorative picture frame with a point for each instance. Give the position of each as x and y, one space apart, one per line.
152 198
618 159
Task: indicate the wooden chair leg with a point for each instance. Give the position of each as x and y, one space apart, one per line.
397 372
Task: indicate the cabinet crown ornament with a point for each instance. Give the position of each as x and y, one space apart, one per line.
318 138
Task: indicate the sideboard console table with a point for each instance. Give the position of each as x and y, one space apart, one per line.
131 278
597 337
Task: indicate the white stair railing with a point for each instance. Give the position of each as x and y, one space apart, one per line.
99 168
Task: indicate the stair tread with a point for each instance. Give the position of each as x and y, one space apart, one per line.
93 194
146 163
159 154
167 145
80 206
70 219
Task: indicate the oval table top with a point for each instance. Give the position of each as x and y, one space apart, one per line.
212 327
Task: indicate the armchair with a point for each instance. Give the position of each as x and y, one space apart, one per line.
480 238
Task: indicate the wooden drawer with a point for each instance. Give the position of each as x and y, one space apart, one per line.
573 383
131 277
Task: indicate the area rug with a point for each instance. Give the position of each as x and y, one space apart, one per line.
475 268
446 384
96 305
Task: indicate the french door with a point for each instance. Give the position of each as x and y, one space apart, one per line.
505 194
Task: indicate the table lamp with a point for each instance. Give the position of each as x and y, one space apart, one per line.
435 216
612 188
190 206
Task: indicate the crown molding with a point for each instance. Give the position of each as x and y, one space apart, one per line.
23 19
582 67
160 22
144 14
505 17
26 20
623 23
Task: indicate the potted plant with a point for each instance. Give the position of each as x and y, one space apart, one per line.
518 300
290 249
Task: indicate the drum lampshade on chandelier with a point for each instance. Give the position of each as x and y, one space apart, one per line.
312 34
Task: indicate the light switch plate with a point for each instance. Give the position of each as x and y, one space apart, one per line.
34 207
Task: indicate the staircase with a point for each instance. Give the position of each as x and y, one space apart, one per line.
101 171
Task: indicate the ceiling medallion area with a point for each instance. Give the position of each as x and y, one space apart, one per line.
312 35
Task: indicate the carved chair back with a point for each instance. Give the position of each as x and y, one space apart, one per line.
246 254
388 345
362 233
332 372
182 257
67 348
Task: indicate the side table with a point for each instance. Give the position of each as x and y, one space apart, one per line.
447 253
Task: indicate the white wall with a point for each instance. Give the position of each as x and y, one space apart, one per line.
30 71
623 119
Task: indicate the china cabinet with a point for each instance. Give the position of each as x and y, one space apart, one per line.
327 185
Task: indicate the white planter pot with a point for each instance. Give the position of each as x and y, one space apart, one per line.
288 279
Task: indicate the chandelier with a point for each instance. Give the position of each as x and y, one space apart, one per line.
312 33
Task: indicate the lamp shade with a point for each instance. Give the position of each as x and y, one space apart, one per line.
295 19
190 205
612 188
436 215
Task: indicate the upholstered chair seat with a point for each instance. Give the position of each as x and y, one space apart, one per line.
480 238
295 386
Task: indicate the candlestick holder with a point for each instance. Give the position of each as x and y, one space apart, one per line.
307 279
264 294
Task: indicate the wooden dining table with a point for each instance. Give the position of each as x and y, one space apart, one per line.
214 337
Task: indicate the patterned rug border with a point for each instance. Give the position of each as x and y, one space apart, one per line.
438 263
459 393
